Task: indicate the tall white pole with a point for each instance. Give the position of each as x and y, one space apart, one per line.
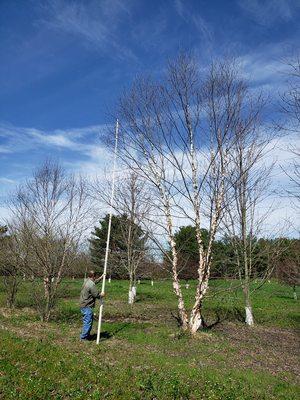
108 231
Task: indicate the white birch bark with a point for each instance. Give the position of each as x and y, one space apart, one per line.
249 316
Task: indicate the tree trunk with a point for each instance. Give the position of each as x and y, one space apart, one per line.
196 320
176 286
295 293
131 291
130 297
11 292
248 308
48 300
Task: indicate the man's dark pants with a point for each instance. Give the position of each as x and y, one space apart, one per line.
87 313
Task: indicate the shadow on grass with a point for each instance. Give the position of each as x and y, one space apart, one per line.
110 334
104 336
148 296
227 314
287 297
216 316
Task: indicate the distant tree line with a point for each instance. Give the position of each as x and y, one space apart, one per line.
271 258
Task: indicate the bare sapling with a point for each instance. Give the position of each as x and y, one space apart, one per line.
244 218
14 258
132 204
53 209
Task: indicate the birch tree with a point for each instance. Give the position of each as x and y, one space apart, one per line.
176 133
53 209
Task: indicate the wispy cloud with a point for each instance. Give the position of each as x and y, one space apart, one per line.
80 148
190 16
19 139
267 12
7 181
265 68
5 149
94 22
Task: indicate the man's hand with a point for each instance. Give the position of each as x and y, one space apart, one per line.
102 295
98 279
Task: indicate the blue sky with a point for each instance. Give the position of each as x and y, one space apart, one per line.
64 63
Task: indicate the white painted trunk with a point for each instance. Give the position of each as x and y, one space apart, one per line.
152 283
295 295
109 280
139 281
133 289
249 316
130 297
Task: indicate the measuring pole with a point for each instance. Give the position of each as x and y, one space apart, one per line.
108 231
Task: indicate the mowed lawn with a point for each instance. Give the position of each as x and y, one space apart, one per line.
142 353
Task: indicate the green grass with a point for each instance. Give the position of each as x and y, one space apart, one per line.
143 354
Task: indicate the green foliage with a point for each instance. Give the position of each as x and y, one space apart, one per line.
120 226
288 262
283 253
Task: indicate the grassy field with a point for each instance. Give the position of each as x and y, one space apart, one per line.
142 353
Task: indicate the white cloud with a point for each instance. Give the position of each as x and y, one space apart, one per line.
4 215
266 69
20 139
7 181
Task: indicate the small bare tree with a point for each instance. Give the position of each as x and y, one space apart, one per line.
176 133
53 209
249 179
132 203
13 260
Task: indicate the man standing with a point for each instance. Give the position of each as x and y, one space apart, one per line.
89 294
